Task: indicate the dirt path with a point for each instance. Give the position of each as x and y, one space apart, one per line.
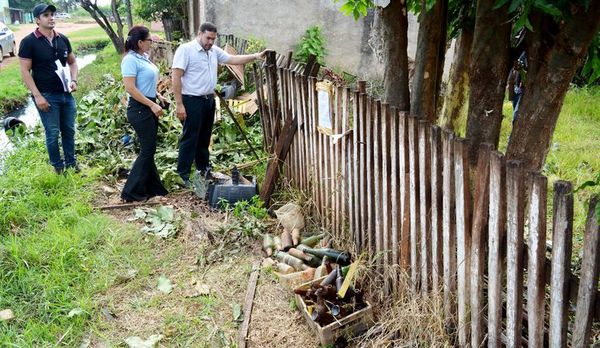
62 27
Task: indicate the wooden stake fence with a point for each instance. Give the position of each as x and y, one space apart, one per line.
401 192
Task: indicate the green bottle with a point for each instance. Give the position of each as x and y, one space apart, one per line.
312 240
336 256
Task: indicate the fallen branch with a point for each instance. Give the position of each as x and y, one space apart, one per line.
248 303
127 205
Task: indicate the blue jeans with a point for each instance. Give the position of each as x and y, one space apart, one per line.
60 120
516 102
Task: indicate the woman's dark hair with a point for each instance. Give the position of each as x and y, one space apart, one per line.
137 33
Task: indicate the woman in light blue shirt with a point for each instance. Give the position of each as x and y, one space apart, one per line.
140 77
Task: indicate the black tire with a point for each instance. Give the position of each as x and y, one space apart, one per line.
12 53
1 54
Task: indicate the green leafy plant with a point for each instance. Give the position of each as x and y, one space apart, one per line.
312 42
356 8
254 207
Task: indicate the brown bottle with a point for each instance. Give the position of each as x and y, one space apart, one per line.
286 240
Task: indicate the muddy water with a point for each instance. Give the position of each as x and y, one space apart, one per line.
29 114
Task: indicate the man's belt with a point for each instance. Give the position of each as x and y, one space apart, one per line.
205 96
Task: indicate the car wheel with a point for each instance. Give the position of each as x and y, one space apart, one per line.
12 53
1 55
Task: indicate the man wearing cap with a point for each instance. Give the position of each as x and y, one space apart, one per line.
194 81
49 70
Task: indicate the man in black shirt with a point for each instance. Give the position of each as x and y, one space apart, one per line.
44 56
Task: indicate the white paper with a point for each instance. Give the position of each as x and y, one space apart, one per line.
324 112
64 74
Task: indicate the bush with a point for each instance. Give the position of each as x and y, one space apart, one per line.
312 42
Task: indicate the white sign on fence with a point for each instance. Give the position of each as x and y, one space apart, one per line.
324 92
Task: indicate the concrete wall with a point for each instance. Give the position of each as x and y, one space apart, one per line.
283 23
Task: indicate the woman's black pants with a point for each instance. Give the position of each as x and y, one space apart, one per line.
143 181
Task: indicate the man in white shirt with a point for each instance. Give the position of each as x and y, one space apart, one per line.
194 80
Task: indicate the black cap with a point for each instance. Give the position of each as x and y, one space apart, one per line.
41 8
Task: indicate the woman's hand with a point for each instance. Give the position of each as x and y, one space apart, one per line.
157 110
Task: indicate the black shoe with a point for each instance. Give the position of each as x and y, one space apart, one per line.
75 168
59 170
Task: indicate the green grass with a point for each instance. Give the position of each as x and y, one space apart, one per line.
107 61
56 253
12 90
87 34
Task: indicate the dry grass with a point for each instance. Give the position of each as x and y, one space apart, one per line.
275 320
403 318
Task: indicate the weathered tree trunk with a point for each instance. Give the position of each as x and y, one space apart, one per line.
128 11
167 22
455 103
431 49
554 51
490 65
392 28
116 37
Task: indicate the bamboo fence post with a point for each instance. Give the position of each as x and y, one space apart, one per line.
413 164
364 164
306 133
345 164
395 188
424 158
536 260
463 235
386 177
448 228
377 159
370 178
496 237
436 208
356 195
562 233
404 193
589 278
478 243
515 221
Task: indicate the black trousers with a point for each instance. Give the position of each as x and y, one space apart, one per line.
195 138
143 181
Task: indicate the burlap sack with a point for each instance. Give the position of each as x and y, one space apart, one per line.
290 216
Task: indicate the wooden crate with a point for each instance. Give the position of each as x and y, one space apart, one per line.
349 326
292 280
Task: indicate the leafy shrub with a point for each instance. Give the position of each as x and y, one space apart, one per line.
312 42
